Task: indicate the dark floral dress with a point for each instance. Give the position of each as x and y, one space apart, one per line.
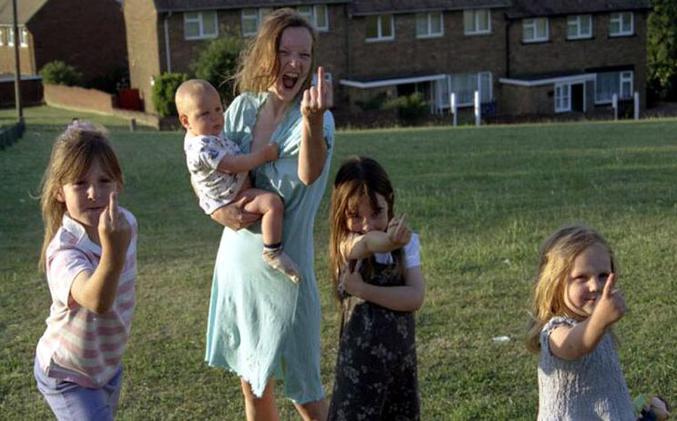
376 366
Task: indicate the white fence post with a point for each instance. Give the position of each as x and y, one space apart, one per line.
452 107
478 112
636 105
614 105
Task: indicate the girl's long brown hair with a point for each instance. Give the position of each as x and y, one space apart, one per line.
259 63
356 178
73 153
557 255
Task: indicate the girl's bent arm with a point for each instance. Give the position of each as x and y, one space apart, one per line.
571 343
574 342
96 291
408 297
365 245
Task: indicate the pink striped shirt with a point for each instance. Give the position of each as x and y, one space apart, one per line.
79 345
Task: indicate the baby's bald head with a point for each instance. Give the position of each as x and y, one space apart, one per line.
189 91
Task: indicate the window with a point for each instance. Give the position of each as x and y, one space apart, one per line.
2 37
252 18
23 38
562 97
316 15
380 28
200 25
10 37
609 83
476 21
535 30
429 25
626 85
579 27
621 24
464 86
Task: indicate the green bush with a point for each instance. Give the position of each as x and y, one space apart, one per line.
217 63
163 92
375 102
59 73
411 108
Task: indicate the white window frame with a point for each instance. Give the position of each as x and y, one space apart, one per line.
624 76
10 37
619 18
23 37
478 86
474 15
429 16
562 97
311 13
2 36
379 28
576 22
250 14
200 18
533 23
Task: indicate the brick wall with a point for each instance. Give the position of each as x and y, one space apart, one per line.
144 43
91 37
73 97
454 52
561 55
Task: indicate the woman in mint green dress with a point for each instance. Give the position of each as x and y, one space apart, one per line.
261 326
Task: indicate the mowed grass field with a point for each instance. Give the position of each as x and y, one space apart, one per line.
482 201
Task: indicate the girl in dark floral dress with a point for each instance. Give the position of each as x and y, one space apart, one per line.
377 276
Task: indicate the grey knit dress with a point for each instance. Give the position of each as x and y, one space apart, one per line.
589 388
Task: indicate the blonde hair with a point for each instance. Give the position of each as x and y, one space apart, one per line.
73 153
557 255
358 177
259 63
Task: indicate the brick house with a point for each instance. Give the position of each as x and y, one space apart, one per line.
566 56
388 48
64 30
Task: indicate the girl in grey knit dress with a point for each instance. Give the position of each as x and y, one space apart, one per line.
575 303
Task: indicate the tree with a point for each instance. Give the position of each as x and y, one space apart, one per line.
217 63
662 49
163 92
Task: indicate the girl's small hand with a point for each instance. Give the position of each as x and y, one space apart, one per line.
398 232
317 99
352 281
610 305
114 229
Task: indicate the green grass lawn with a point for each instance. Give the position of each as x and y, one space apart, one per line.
482 201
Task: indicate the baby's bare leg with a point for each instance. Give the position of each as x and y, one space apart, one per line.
270 206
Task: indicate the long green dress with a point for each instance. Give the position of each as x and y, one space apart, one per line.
260 324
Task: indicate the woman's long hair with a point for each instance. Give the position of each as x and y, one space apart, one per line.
358 177
73 153
557 255
259 63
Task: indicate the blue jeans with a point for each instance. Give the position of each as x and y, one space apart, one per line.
70 401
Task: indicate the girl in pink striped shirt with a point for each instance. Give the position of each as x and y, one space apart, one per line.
89 257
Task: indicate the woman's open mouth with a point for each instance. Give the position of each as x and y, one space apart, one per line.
289 80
